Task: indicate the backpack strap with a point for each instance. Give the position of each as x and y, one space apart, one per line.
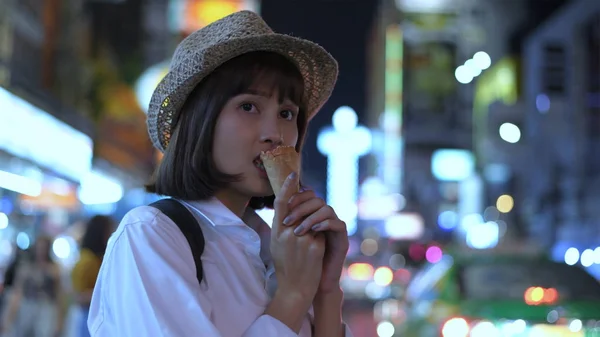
188 225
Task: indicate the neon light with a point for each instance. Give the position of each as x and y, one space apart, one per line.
343 145
391 121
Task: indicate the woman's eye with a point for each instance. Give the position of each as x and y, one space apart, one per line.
248 107
287 114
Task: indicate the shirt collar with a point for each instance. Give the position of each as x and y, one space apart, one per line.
217 212
220 215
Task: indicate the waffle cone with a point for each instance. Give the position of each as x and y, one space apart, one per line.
279 164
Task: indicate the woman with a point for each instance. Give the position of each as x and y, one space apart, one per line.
35 305
84 274
234 89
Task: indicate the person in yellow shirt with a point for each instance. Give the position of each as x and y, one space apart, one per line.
84 274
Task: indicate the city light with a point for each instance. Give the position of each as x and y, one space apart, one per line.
23 241
343 144
473 67
483 236
385 329
97 188
455 327
482 60
510 133
61 248
369 247
433 254
539 295
397 261
448 220
360 271
505 203
571 256
20 184
587 258
542 103
452 164
3 220
575 325
463 75
391 153
383 276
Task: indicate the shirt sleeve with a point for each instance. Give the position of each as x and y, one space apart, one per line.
147 287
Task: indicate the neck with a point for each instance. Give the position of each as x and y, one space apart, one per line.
235 202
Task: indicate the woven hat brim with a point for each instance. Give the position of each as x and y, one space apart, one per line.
318 68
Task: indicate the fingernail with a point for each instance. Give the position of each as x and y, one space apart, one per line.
298 230
292 175
287 220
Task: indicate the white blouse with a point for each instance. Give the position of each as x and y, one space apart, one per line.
147 284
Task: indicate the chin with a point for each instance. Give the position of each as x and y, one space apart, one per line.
264 191
257 189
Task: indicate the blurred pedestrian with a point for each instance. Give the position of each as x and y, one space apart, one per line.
9 280
35 308
84 274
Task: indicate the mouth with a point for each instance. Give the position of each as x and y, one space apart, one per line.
258 163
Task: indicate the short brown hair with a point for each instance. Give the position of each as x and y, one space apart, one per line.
187 170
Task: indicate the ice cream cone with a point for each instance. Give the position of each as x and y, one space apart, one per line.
279 164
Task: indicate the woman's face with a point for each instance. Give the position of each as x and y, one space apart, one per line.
249 123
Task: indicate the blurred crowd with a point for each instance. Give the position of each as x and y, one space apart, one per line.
40 298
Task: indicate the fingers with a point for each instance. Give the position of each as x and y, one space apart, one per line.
301 197
322 215
303 210
288 189
334 225
314 213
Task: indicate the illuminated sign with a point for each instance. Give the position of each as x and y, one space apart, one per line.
30 133
391 120
343 145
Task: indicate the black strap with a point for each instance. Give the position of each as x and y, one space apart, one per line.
188 225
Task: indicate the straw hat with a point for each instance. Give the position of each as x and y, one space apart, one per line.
206 49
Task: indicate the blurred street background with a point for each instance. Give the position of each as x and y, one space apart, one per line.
469 132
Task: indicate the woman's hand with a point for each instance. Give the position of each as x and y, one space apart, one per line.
295 258
312 215
298 263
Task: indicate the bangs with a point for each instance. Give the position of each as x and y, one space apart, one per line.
267 70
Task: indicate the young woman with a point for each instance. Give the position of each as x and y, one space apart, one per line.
235 88
84 274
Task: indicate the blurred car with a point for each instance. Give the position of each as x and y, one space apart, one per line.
508 296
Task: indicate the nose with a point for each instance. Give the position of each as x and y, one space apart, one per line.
271 133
